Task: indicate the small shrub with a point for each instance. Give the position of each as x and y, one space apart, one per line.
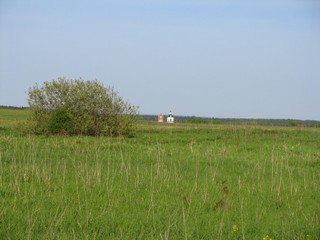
60 122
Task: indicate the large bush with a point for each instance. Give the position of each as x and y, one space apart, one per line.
80 107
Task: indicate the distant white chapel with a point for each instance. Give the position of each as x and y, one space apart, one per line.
170 118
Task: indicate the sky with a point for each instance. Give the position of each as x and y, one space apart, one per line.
206 58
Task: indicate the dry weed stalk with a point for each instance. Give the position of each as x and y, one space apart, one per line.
223 203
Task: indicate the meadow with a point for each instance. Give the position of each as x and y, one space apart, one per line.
178 181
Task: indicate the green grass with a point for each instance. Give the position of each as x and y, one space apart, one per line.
163 184
11 117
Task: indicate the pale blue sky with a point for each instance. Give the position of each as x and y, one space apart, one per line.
238 59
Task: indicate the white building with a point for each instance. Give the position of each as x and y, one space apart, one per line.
170 118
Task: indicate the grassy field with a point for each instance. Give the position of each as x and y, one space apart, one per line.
12 117
174 181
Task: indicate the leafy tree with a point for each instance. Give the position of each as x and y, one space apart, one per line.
92 108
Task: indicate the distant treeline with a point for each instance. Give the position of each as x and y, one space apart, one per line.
13 107
206 120
264 122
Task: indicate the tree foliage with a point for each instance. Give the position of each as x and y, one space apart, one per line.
80 107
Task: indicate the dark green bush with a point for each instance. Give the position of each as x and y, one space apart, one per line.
60 122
